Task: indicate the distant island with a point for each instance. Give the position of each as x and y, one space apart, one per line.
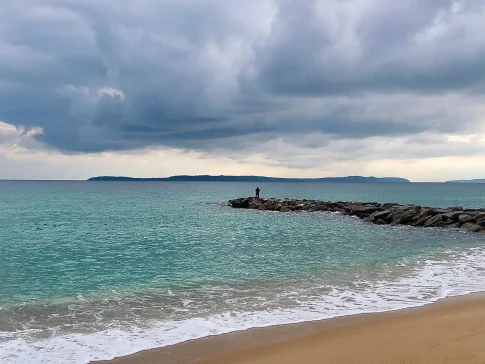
478 180
207 178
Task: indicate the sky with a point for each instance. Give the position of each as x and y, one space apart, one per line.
290 88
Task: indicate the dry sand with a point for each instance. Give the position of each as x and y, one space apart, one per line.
448 332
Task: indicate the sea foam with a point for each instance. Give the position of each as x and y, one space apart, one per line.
459 273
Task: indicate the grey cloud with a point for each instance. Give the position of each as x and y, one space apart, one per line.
301 154
418 46
212 74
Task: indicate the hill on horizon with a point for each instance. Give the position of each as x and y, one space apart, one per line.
223 178
476 180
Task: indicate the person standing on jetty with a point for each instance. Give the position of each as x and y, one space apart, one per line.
257 192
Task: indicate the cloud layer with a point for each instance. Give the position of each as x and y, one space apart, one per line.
233 78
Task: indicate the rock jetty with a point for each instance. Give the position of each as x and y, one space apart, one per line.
472 220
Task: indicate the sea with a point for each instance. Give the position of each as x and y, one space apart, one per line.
97 270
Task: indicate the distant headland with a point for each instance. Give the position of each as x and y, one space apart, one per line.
478 180
255 179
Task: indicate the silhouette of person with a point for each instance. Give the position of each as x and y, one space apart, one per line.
257 192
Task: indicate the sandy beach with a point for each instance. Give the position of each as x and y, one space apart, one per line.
449 331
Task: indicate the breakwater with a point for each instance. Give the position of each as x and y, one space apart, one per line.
472 220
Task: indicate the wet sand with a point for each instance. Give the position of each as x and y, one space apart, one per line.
446 332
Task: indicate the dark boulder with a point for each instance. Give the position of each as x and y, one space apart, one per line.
465 218
481 222
455 208
300 207
380 215
434 221
405 217
435 211
480 216
362 211
240 203
421 221
472 213
473 227
454 225
453 215
424 213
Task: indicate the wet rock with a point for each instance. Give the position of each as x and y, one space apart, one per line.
455 225
423 215
433 221
465 218
436 211
481 215
473 227
421 221
299 207
240 203
472 213
456 208
453 215
363 211
380 215
405 217
481 222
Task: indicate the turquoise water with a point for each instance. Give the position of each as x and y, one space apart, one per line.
152 264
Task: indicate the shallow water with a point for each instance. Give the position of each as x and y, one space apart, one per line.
93 270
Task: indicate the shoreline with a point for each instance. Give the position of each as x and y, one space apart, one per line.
341 337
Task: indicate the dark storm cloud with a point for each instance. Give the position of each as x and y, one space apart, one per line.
110 75
417 46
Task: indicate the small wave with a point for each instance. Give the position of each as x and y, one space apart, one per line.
456 273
